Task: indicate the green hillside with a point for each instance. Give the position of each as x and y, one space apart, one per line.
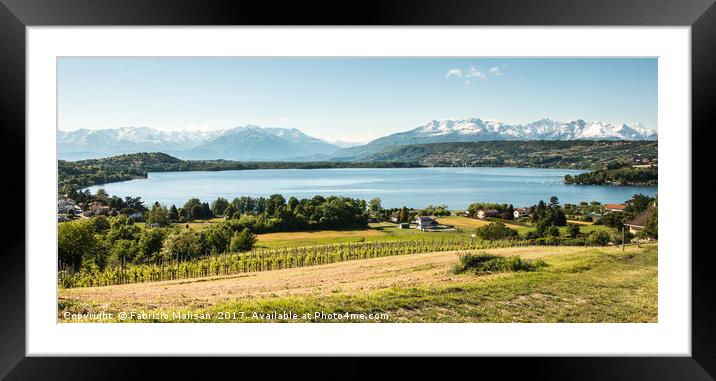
578 154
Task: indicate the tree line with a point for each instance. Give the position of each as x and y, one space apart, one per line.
101 240
616 174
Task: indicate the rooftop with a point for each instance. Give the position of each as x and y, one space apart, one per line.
640 219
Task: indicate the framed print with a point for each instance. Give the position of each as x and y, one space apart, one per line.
394 181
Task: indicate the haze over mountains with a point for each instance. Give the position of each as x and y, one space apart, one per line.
253 143
247 143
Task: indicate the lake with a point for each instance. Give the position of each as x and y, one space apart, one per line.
396 187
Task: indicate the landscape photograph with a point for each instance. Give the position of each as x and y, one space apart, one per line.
357 190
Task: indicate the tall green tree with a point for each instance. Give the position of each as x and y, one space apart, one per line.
219 206
243 241
639 203
75 241
173 213
190 204
150 244
651 228
375 205
229 211
572 230
196 212
158 215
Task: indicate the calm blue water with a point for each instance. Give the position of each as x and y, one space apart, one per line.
412 187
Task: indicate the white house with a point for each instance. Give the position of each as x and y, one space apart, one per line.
425 222
66 205
521 213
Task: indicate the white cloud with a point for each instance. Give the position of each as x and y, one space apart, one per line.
283 118
474 72
496 71
454 73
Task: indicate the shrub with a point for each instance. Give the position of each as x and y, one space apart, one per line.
150 243
651 229
483 263
598 237
572 230
613 220
495 231
243 241
554 231
76 241
101 223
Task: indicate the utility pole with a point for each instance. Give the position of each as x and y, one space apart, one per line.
623 237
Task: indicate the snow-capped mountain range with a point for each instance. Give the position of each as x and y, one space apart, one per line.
544 129
240 143
256 143
475 129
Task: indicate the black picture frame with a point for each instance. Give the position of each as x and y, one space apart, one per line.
700 15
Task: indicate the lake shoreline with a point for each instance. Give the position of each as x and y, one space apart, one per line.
456 187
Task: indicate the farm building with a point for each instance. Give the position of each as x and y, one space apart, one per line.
482 214
403 225
425 222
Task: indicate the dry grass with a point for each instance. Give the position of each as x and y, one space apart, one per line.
579 222
580 284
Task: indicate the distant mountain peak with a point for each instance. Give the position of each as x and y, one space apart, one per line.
249 142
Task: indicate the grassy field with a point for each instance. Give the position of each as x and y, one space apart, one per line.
470 224
579 285
375 232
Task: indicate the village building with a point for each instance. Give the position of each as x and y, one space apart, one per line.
403 225
638 223
425 222
614 208
67 206
482 214
521 213
98 209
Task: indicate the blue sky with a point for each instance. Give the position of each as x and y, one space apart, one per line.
350 99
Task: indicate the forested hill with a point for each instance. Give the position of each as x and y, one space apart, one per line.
617 174
577 154
84 173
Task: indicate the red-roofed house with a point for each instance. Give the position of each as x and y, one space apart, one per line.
614 207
